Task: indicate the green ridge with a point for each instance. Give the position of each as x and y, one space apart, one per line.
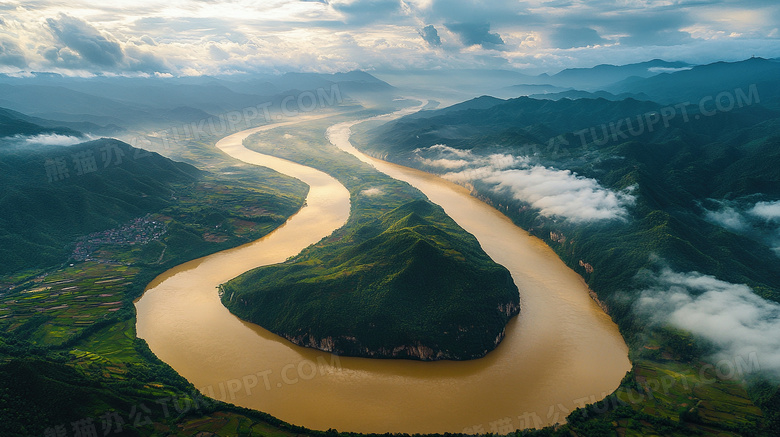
416 280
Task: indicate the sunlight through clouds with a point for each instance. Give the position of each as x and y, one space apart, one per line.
189 37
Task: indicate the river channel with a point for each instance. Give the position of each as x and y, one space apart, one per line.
561 351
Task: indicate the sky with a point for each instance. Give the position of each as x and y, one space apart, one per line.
208 37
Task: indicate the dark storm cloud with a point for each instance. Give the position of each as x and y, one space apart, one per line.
471 34
430 35
87 41
570 37
11 54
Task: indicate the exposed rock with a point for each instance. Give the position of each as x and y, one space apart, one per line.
596 299
351 346
588 267
557 237
509 309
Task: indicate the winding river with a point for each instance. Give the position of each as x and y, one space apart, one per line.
562 350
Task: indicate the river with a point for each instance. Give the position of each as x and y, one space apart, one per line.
562 350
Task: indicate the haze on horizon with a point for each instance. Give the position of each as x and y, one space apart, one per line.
211 37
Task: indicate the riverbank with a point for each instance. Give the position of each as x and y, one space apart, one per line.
563 349
406 283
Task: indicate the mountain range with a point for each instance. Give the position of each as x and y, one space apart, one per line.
101 105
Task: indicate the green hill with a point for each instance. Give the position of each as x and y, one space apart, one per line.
13 123
416 287
675 173
490 123
726 156
707 80
43 208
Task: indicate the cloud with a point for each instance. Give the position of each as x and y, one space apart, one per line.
11 54
367 11
50 140
86 40
339 35
497 12
570 37
769 211
562 193
471 34
554 192
730 316
728 218
760 221
448 164
659 70
372 192
661 27
138 59
217 53
430 35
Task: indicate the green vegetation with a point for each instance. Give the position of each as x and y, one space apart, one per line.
13 123
47 201
67 329
416 282
401 279
67 339
730 156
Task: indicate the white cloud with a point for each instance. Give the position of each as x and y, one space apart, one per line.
554 192
52 140
443 148
372 192
769 211
760 222
727 217
91 45
449 164
563 193
667 69
730 316
279 35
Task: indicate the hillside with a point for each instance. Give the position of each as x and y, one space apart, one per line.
705 81
605 74
636 214
399 280
77 250
415 287
13 123
106 105
53 196
44 207
727 156
487 122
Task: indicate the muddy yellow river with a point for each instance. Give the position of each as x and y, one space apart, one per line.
560 352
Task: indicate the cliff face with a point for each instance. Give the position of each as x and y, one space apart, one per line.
351 346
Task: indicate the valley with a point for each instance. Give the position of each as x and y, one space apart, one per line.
347 218
534 342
